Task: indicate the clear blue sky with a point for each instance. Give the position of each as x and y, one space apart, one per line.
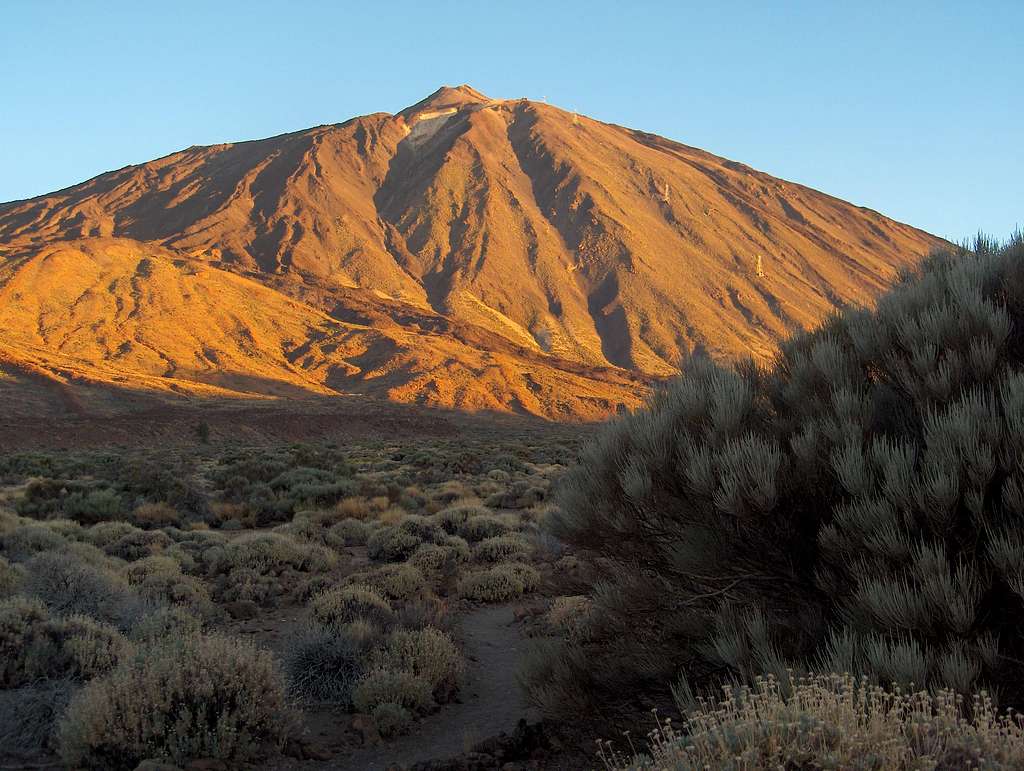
914 109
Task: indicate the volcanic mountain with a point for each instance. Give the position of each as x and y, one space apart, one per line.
465 252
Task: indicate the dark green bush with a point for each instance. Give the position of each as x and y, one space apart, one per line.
323 665
857 507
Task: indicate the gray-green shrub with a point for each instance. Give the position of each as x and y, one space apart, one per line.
858 506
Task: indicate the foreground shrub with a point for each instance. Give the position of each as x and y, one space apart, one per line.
833 721
197 697
348 532
427 653
391 544
156 515
499 583
482 526
453 517
384 686
160 580
24 541
165 622
857 507
346 604
69 585
391 719
96 506
400 581
35 645
10 578
29 714
570 616
323 664
267 553
502 548
441 558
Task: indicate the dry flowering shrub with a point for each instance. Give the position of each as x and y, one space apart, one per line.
832 721
196 697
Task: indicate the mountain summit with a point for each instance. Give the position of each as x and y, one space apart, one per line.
464 252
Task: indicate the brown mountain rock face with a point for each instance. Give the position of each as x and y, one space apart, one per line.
466 252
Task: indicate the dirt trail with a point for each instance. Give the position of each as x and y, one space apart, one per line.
492 701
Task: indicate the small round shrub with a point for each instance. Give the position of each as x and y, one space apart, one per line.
271 552
323 664
28 715
525 574
163 622
432 558
428 653
156 515
389 544
490 585
106 533
68 587
92 507
68 528
501 548
34 645
501 582
498 475
569 616
399 581
24 541
391 719
247 585
196 697
10 578
346 604
348 532
383 686
424 528
160 579
459 546
138 544
454 517
482 526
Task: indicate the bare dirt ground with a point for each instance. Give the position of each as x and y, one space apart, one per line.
152 423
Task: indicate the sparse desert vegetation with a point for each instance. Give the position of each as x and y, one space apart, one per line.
216 601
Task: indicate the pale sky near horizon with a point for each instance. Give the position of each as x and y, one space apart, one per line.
910 108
